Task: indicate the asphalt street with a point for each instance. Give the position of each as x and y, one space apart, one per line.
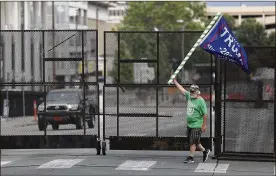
128 126
84 162
173 126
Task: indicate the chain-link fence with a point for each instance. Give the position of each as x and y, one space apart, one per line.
248 109
138 101
49 83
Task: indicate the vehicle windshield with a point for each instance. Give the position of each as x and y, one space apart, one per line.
62 96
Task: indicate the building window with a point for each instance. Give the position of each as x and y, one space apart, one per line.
1 60
78 16
72 20
84 17
112 12
93 47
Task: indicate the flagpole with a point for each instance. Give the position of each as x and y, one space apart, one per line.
194 47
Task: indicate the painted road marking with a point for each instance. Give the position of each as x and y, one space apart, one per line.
211 168
136 165
222 168
5 162
205 167
60 163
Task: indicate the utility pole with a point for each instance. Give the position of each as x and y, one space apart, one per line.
22 40
97 17
2 72
53 34
0 15
76 43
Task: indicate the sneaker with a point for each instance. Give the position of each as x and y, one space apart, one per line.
189 160
205 155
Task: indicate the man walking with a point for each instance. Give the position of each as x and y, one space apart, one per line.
196 120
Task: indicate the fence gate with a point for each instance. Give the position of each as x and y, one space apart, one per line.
141 111
33 65
248 107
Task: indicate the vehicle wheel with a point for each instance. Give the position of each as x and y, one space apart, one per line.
41 125
103 147
79 123
55 126
98 147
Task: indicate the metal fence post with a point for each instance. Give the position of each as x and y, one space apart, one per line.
118 102
275 99
44 86
83 83
157 74
217 108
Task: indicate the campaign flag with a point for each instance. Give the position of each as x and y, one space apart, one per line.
221 42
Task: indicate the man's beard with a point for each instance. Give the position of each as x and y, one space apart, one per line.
193 95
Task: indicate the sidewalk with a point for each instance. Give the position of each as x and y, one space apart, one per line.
86 162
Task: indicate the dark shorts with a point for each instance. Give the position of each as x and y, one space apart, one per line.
194 135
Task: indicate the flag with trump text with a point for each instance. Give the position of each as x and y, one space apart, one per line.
221 42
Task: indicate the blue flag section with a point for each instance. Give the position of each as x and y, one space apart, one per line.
221 42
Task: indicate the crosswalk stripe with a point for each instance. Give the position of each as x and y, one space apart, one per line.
211 168
205 167
222 168
136 165
60 163
5 162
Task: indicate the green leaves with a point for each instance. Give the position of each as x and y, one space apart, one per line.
271 39
251 33
163 15
173 47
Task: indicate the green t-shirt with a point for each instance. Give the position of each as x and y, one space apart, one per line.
196 108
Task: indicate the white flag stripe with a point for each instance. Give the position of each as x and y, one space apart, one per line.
198 41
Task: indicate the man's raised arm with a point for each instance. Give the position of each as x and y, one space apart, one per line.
179 86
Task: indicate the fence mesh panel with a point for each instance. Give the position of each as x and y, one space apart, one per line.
20 120
22 61
21 56
110 107
137 100
249 129
244 100
111 57
21 102
172 103
173 47
63 44
250 124
138 46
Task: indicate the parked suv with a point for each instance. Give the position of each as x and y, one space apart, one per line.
66 106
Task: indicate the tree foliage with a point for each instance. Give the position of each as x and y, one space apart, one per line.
145 16
251 33
230 21
271 39
166 16
163 15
